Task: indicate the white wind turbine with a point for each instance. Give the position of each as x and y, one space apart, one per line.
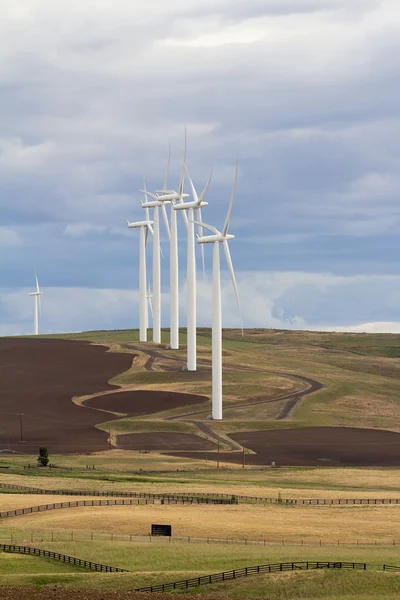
37 307
216 239
196 204
145 227
156 203
171 196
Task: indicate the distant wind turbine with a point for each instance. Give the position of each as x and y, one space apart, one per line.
145 227
196 204
216 238
172 197
156 203
37 307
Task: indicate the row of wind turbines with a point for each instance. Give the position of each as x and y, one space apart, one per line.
191 211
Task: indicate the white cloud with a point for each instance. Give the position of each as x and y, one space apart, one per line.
9 238
290 300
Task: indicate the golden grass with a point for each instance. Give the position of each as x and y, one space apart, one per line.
274 523
290 482
14 501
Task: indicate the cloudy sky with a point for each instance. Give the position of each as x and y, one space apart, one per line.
305 93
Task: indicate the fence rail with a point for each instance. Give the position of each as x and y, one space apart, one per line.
208 498
72 560
188 498
244 572
194 581
65 535
117 502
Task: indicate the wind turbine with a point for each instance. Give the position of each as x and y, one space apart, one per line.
156 203
145 227
37 307
196 204
216 239
171 196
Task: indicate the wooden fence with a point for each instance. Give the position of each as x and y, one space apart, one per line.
201 497
195 581
72 560
181 498
118 502
64 535
245 571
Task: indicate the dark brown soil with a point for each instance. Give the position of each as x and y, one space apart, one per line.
38 378
310 446
143 402
164 441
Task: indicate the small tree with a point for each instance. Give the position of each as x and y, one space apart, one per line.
43 458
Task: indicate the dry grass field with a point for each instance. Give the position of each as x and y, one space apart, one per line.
358 386
273 523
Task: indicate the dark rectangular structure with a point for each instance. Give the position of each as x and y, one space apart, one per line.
161 530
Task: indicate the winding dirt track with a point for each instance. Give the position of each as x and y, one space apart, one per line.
178 365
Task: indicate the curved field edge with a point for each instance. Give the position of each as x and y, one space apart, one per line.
360 371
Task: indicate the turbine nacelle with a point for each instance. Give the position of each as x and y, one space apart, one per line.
34 293
154 203
218 237
140 224
186 205
164 198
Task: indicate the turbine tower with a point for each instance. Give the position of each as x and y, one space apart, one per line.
145 227
37 307
196 204
216 239
149 296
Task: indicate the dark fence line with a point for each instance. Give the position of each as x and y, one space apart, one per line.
65 535
209 498
188 498
72 560
244 572
118 502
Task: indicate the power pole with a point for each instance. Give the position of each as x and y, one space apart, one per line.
21 436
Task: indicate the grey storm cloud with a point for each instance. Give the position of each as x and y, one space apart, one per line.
303 92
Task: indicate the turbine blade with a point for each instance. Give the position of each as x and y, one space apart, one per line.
194 193
146 236
150 228
204 192
232 274
213 230
37 284
144 189
151 307
228 214
165 186
200 232
148 194
165 216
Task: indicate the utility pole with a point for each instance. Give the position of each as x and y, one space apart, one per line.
21 436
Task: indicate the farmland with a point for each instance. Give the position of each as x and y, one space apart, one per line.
306 415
